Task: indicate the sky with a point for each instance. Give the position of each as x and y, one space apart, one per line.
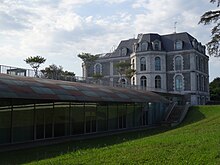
59 30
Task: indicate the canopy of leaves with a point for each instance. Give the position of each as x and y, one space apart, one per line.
87 57
124 68
214 87
209 17
35 61
56 72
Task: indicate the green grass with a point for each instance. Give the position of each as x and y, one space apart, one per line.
195 141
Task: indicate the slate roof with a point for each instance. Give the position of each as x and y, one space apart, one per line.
18 87
167 42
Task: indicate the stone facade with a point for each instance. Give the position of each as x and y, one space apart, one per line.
174 63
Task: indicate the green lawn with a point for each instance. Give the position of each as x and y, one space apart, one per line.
195 141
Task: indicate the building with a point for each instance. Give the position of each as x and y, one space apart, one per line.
174 64
36 109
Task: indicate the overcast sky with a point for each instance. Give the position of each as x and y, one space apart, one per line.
59 30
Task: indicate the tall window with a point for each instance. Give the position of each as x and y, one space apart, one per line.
178 83
178 63
157 64
143 81
143 64
157 81
98 68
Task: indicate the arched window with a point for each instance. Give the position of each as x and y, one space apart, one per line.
98 68
157 81
143 81
178 83
178 63
142 64
144 46
156 45
178 45
157 64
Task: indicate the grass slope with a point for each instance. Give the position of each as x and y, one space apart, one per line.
195 141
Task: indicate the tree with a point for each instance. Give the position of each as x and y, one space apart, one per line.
88 59
210 17
97 77
214 88
124 68
35 63
57 73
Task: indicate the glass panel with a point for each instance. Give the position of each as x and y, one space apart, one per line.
90 117
77 114
61 120
102 118
23 118
5 124
138 115
112 117
121 116
130 115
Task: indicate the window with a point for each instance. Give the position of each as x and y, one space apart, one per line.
178 63
157 81
157 64
178 45
143 81
197 63
178 83
98 68
156 45
124 51
143 64
202 65
144 46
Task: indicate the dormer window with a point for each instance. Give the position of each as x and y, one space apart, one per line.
156 45
195 44
178 45
124 51
144 46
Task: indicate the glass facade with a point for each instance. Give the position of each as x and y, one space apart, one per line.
22 123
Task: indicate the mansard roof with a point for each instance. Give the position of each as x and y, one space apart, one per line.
167 42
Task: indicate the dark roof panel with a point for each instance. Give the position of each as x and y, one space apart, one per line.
17 87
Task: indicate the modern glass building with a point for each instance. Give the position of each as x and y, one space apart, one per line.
33 109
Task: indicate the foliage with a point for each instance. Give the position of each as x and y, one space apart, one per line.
124 68
88 59
56 72
35 62
214 87
97 76
207 18
196 141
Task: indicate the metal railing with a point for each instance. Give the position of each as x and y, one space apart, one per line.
30 73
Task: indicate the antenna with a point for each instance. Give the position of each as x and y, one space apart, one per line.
175 26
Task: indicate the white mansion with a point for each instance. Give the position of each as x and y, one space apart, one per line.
170 64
